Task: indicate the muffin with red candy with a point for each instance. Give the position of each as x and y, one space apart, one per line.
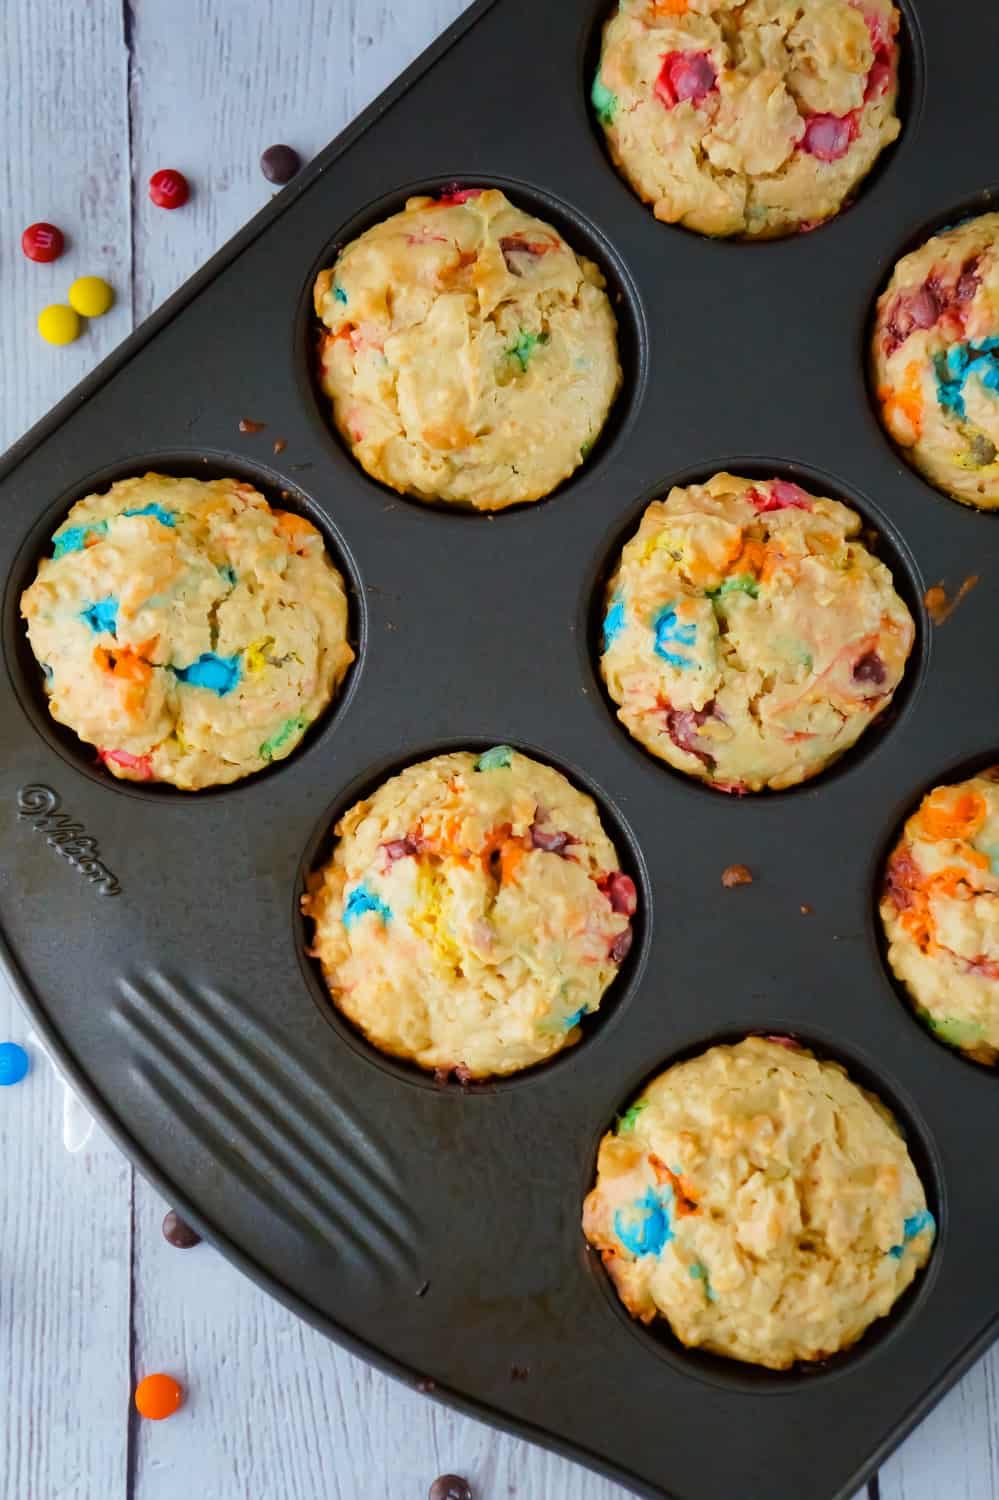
940 909
752 119
470 354
750 636
187 630
472 914
936 360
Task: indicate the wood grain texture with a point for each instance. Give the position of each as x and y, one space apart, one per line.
97 96
213 85
276 1410
64 1297
952 1456
65 1224
65 160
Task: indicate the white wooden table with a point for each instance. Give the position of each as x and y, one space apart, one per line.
96 95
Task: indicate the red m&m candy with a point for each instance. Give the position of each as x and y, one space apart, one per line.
169 188
42 242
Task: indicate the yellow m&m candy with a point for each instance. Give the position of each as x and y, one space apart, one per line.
58 324
91 296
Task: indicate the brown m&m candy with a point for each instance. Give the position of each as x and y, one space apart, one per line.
280 163
179 1234
450 1487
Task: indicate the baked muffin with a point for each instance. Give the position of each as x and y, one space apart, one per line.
750 637
469 353
186 629
473 912
936 360
940 909
761 1202
754 119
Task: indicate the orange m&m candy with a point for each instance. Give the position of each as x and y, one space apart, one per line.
158 1396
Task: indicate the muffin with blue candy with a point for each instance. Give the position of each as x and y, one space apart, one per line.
940 909
754 118
472 914
470 354
187 630
750 636
936 360
761 1202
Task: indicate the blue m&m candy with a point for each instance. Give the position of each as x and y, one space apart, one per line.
13 1064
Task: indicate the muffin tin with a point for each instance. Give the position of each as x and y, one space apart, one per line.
155 937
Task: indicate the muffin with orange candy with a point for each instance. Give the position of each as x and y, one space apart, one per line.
470 354
936 360
187 630
940 909
761 1203
472 914
750 636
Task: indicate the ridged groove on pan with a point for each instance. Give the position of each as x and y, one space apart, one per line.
257 1106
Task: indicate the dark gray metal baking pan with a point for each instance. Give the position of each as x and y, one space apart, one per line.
155 938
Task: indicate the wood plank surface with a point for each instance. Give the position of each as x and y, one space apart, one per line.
65 1237
952 1456
65 159
276 1410
213 85
65 1222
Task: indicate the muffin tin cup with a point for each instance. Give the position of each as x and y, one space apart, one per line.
912 78
579 233
950 775
281 492
984 201
155 936
877 534
616 997
752 1380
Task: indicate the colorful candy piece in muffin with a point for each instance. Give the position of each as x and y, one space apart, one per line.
472 914
754 119
470 354
186 629
760 1202
940 909
936 360
750 637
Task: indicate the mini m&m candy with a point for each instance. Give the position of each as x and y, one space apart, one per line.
280 163
178 1233
91 296
13 1064
58 324
450 1487
158 1397
42 242
169 188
